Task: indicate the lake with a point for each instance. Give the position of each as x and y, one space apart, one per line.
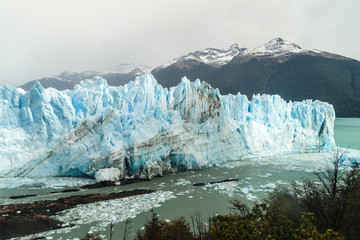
347 133
176 194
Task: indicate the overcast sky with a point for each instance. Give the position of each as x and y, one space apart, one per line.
41 38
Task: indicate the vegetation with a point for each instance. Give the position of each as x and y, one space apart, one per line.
92 236
265 222
334 200
176 229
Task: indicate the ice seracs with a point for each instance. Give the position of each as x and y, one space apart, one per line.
142 130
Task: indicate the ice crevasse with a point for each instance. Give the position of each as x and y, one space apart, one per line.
142 130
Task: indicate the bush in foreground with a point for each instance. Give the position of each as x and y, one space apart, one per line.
333 198
176 229
265 222
261 222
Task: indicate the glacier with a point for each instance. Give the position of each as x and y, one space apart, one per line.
142 130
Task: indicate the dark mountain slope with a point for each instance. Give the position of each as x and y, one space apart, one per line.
50 82
247 78
192 69
277 67
300 77
115 76
327 79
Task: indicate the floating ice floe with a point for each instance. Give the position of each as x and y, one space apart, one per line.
101 214
182 182
349 156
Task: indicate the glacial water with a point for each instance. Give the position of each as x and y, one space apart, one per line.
347 132
176 194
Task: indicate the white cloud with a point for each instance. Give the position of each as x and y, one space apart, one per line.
42 38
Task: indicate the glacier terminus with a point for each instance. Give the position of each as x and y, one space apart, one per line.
142 130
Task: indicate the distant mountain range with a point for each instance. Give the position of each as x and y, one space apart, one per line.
115 76
277 67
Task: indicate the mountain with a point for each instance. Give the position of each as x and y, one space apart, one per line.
142 130
115 76
277 67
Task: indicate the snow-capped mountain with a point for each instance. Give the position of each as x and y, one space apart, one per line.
116 76
127 68
75 77
277 67
218 57
143 130
275 47
211 56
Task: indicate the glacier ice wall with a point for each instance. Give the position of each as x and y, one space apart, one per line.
145 130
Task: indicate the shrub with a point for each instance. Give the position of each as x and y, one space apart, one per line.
307 230
92 236
176 229
334 200
265 222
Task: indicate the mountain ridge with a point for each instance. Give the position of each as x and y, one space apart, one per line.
278 67
274 48
116 75
314 74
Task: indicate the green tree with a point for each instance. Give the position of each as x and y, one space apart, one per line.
262 222
333 198
154 229
265 222
92 236
307 230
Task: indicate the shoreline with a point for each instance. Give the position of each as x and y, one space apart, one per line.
17 220
95 185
